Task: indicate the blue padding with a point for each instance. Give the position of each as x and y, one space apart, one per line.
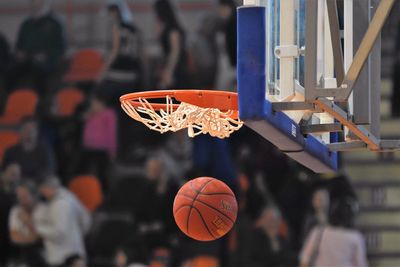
251 59
257 112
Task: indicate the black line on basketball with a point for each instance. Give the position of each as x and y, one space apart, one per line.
204 222
209 194
208 205
180 207
194 199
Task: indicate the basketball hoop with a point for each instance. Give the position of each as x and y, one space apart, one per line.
200 111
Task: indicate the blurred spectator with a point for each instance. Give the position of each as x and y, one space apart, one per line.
40 46
155 223
337 244
100 128
32 155
99 138
61 222
204 51
227 12
4 55
173 42
318 214
8 179
22 231
251 198
74 261
264 245
177 155
123 68
122 259
339 186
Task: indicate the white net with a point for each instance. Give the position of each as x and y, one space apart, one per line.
196 119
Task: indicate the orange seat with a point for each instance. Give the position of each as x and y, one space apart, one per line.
160 258
204 261
86 65
7 140
20 103
67 101
87 188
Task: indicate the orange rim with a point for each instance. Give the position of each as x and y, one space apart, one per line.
222 100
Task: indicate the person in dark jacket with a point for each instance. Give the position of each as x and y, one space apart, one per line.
34 157
172 38
123 68
39 48
4 54
227 12
264 245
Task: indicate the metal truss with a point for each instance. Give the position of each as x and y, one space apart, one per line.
333 101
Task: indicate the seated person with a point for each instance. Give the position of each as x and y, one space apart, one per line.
62 222
99 138
156 225
8 179
265 246
22 232
33 156
40 46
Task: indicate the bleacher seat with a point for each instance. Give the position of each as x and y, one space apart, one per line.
20 103
67 101
8 139
86 65
205 261
88 190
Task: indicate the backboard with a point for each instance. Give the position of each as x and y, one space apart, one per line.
296 72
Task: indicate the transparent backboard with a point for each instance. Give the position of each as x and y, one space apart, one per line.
286 33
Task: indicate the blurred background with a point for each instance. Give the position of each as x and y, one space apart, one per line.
81 184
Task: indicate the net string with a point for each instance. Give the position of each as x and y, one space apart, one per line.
196 119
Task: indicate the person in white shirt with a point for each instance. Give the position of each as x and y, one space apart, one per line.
22 232
337 244
62 223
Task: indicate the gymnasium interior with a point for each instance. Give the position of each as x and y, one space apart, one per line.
62 128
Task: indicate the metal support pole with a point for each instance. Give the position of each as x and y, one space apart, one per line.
310 61
366 45
336 40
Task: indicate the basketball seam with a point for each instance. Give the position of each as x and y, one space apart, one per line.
180 207
204 222
211 207
209 194
194 199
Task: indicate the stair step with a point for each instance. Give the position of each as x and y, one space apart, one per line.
383 219
373 173
382 242
384 260
370 157
379 197
386 107
390 128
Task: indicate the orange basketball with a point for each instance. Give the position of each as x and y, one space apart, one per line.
205 209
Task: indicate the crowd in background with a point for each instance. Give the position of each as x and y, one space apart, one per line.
96 188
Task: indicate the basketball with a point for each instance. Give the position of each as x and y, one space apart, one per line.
205 209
